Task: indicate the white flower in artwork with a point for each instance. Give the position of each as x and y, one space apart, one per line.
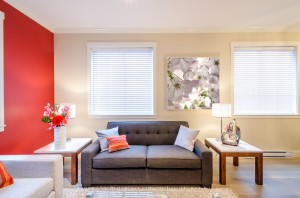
174 63
199 98
203 71
191 74
185 65
212 61
182 65
201 74
178 73
177 106
214 93
207 102
213 80
175 91
188 104
185 103
214 70
194 94
188 85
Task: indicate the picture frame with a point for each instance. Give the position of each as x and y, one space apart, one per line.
192 82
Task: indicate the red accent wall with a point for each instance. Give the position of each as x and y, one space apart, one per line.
28 82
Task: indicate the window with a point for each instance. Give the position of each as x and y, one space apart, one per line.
265 79
1 75
121 79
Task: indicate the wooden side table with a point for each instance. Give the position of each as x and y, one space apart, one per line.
73 149
242 150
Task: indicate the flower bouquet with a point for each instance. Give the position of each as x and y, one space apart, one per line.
56 115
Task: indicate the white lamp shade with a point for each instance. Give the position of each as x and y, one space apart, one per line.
221 110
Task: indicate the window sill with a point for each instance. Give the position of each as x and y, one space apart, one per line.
266 116
125 116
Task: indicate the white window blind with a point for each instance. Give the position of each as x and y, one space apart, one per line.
265 81
121 80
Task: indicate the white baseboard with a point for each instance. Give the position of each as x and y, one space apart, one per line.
277 153
290 153
295 153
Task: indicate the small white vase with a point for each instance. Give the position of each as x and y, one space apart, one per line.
60 137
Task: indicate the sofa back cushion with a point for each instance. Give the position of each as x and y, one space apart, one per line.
149 132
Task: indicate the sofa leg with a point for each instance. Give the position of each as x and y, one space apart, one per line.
205 186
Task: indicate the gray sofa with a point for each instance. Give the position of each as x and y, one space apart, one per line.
152 158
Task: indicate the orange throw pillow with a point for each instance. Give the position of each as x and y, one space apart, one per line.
5 178
116 143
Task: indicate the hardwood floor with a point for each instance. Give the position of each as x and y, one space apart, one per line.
281 177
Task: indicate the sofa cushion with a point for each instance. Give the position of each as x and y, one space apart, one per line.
171 156
149 132
106 133
186 138
117 143
135 157
28 187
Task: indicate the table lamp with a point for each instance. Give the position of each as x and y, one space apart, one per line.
221 111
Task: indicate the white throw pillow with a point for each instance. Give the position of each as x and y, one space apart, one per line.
186 137
106 133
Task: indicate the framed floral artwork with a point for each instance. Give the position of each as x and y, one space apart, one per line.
192 83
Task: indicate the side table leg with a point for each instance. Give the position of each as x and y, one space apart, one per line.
236 161
222 169
259 169
74 169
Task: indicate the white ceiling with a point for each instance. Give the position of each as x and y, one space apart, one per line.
76 16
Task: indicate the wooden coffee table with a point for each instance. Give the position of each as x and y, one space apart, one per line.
73 149
242 150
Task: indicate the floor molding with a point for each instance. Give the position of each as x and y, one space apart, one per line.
295 153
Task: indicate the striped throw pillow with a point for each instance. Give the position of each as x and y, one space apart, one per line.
5 178
116 143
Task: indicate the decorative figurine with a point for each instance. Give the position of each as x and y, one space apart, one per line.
232 134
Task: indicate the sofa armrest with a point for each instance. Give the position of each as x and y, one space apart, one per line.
207 163
36 166
87 162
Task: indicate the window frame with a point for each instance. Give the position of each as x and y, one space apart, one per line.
90 45
2 123
266 44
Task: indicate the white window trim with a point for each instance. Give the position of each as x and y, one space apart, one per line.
264 44
90 45
2 124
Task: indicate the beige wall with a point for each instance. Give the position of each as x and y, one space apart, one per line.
71 84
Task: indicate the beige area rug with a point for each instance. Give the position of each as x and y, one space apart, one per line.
161 192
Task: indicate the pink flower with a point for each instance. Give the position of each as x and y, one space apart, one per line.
66 111
48 110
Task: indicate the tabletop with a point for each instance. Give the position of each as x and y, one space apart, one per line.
73 145
242 147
